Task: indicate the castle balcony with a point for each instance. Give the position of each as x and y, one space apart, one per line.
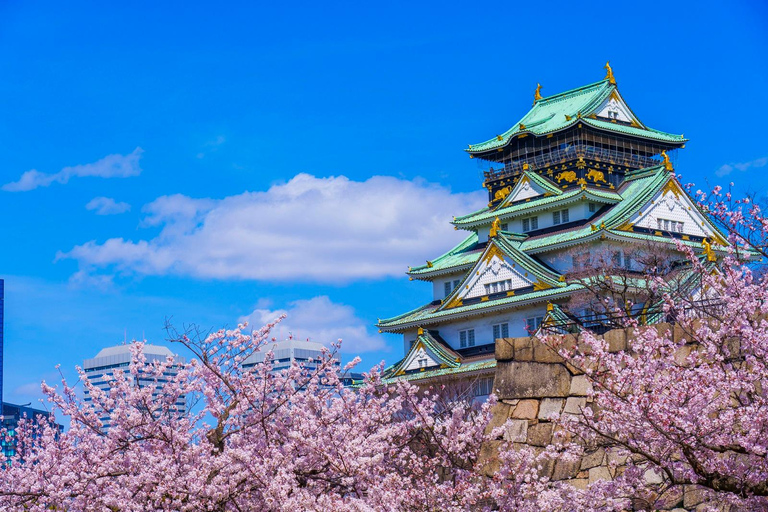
571 153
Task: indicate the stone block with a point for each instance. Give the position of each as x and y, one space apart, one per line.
599 473
652 476
616 340
488 459
580 385
516 431
540 434
682 353
565 469
664 329
680 332
543 353
499 415
526 410
694 495
615 458
573 405
549 406
523 348
593 459
504 349
580 483
515 379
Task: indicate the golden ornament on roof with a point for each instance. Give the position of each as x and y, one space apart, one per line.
495 228
708 250
420 331
609 73
667 162
537 94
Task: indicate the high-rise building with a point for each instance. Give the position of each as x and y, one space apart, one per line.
307 353
579 174
101 368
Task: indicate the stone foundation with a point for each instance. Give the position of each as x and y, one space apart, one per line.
533 382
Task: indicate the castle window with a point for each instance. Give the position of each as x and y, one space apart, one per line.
504 227
669 225
483 386
449 286
501 331
532 324
498 286
560 217
467 338
423 363
592 207
530 224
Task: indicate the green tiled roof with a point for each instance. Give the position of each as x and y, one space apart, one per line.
487 215
465 253
485 364
564 110
429 313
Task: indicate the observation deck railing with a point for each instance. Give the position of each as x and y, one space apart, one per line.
572 152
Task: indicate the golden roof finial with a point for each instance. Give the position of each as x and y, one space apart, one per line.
708 250
537 94
420 331
667 162
550 306
609 73
495 228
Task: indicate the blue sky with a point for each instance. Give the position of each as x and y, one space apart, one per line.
210 163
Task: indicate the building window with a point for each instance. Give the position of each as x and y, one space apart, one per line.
504 227
498 286
449 286
482 386
501 331
592 207
670 225
423 363
560 217
530 224
532 324
467 338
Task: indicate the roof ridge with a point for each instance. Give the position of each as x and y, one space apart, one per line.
572 91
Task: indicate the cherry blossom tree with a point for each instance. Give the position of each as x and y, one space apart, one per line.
678 410
258 440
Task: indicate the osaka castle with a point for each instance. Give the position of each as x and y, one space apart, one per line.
579 173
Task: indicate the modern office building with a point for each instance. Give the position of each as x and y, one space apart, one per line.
286 352
100 370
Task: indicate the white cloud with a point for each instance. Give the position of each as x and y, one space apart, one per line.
726 169
111 166
107 206
320 320
309 229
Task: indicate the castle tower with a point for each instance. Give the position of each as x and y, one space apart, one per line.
579 173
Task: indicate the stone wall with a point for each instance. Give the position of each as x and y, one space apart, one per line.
532 382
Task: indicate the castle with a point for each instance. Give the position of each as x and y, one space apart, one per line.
579 173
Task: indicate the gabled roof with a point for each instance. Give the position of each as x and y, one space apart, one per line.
504 246
442 355
460 257
539 186
561 111
525 208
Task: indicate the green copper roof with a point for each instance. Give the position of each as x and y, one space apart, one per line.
428 314
566 109
487 215
466 253
445 355
485 364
